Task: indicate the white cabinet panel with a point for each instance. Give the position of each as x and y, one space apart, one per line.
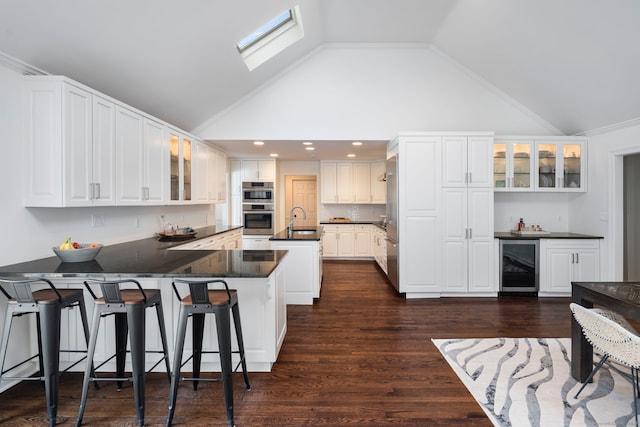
378 183
70 145
361 182
258 170
352 182
467 161
362 241
567 260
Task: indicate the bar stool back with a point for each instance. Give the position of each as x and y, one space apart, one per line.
128 308
200 301
47 304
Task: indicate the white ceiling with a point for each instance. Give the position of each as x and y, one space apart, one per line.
574 63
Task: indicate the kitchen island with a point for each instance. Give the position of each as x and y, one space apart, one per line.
304 263
258 276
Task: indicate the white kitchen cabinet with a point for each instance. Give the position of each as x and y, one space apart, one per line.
445 199
87 149
338 241
378 183
229 240
203 159
379 247
303 269
351 182
567 260
336 182
467 161
513 164
419 218
361 182
141 159
258 170
218 176
362 240
561 165
468 240
256 242
182 153
70 145
209 170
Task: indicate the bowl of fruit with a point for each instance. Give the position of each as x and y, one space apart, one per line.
70 251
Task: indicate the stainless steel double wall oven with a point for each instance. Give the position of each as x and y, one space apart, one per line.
258 208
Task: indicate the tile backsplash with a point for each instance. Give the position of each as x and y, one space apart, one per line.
353 212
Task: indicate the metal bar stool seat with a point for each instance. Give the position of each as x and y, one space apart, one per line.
200 301
47 304
128 308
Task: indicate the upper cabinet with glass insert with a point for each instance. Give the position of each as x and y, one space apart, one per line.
561 165
180 166
542 164
513 165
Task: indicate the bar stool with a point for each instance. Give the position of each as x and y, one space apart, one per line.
200 301
47 305
128 308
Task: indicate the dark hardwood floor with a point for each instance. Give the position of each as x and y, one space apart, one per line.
359 356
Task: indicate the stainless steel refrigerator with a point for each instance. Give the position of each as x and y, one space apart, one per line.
392 222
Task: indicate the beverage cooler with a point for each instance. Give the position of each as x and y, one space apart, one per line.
519 266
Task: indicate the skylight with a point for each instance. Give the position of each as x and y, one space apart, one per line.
271 38
265 30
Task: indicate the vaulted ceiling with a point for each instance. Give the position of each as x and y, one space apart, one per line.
574 63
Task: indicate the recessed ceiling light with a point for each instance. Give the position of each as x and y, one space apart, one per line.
356 143
258 143
309 148
307 143
351 155
274 154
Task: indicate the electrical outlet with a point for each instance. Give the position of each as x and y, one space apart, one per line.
97 220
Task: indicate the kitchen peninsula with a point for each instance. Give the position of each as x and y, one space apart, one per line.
258 277
304 268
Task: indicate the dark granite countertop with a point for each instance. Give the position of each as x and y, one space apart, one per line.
152 257
506 235
300 233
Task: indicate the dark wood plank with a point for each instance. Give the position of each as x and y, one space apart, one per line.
360 356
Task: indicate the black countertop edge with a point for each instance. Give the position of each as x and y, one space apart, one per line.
154 258
200 233
506 235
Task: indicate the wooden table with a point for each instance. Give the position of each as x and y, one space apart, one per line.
621 297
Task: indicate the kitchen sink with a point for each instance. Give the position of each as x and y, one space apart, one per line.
304 232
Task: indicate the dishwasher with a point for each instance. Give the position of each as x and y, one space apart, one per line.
519 266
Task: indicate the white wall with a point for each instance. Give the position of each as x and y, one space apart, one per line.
372 92
599 210
549 211
29 233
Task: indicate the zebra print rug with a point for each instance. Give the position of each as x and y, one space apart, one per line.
527 382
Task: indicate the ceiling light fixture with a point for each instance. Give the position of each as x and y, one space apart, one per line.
357 143
274 154
258 143
307 143
309 148
351 155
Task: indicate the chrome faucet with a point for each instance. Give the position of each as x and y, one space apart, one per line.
290 228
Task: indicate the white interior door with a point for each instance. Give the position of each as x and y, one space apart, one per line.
304 194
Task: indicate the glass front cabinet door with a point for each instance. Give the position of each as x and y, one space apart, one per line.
561 166
513 165
180 150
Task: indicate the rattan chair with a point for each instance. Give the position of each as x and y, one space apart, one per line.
611 335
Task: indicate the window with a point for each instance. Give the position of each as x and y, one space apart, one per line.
271 38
